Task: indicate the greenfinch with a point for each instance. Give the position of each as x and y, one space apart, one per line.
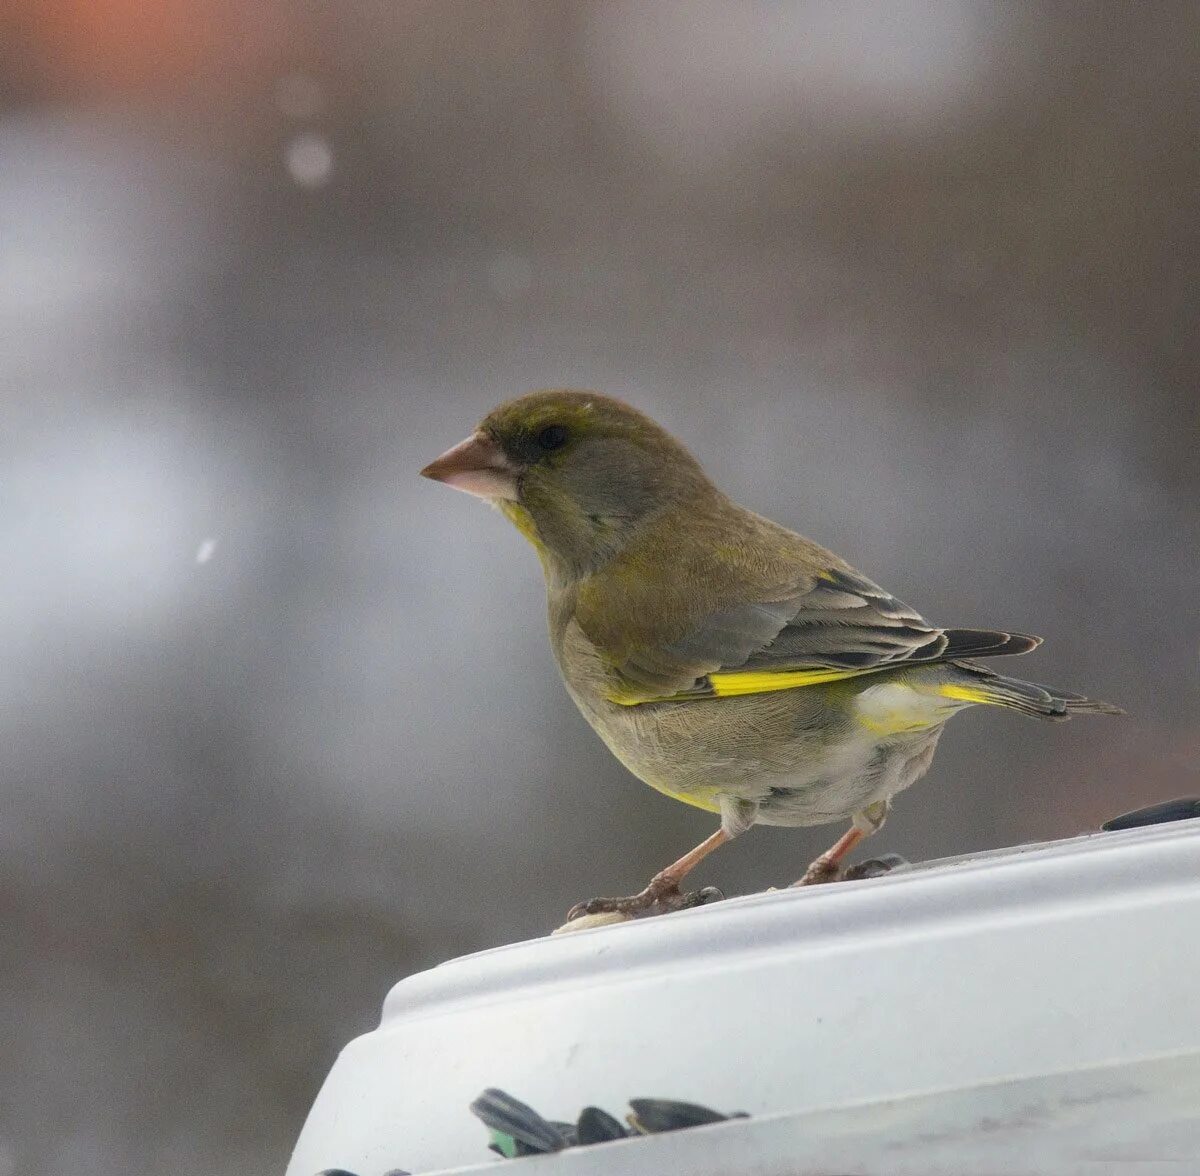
726 661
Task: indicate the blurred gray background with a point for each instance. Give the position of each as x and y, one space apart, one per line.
280 723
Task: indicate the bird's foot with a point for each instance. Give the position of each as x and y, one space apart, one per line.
660 896
825 869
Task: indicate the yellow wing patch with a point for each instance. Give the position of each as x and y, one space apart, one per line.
763 681
735 683
965 694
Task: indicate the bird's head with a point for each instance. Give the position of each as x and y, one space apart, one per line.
576 472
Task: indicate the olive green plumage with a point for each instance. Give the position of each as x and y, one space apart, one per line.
724 659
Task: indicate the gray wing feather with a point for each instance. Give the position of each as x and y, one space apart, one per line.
844 622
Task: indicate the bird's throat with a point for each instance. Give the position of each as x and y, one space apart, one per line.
566 552
522 520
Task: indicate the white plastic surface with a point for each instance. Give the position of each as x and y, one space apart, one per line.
1067 964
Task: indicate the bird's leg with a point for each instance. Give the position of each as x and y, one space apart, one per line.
662 890
828 867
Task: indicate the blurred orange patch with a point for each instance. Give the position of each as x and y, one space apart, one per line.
130 47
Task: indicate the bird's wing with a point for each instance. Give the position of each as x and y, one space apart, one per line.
839 625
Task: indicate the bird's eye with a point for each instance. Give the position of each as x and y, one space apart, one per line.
552 437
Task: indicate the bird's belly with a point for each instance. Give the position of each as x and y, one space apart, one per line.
850 782
806 768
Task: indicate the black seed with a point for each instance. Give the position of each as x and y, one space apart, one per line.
701 897
665 1114
598 1126
876 867
1182 809
501 1112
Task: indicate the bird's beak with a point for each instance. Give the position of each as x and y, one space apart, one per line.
477 466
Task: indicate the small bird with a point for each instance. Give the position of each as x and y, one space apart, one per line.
726 661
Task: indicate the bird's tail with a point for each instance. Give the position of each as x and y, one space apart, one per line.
973 683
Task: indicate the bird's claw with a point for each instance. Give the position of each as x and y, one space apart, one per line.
821 871
659 898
